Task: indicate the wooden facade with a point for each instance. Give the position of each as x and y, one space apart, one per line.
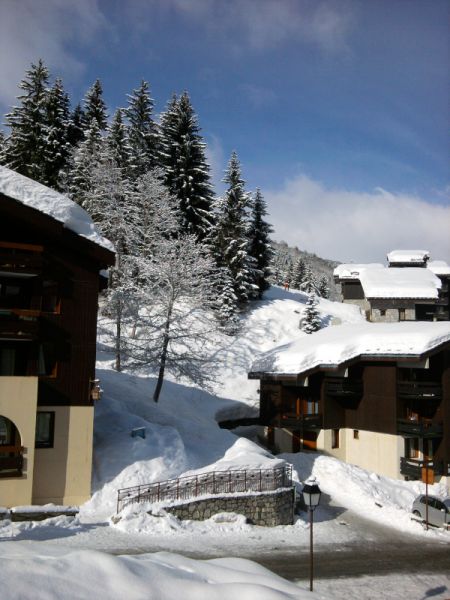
403 397
49 285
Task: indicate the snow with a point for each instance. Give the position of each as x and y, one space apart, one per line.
333 346
73 558
406 282
439 267
411 256
352 271
50 573
52 203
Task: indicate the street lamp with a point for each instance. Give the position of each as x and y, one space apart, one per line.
311 496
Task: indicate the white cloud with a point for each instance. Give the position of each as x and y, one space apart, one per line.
216 160
261 24
33 29
353 226
259 97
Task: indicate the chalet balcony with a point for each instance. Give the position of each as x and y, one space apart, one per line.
422 428
419 390
11 461
20 262
411 468
18 326
302 422
342 387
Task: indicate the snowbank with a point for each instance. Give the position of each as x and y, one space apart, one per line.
51 573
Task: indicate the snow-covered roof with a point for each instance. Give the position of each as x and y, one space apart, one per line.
52 203
406 282
333 346
352 271
408 256
439 267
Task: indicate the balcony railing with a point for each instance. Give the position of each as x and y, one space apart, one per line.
20 262
18 327
419 428
304 422
412 468
419 390
342 387
11 461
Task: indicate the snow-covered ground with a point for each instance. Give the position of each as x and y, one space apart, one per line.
67 555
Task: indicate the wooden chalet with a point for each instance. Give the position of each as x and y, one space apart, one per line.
410 289
49 285
381 401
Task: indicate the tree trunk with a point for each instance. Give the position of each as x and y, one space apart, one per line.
118 340
162 361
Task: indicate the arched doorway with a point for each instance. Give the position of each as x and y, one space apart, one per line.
11 455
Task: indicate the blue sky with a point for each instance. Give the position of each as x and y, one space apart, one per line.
338 109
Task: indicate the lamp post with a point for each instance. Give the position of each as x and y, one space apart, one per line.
311 496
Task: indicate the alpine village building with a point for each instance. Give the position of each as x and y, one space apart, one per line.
375 394
50 262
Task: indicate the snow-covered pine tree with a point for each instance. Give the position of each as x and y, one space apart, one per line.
86 157
2 147
25 150
299 273
182 156
225 301
75 133
311 321
142 130
289 272
57 147
323 289
117 144
174 321
95 107
278 266
157 209
309 281
117 216
260 248
229 238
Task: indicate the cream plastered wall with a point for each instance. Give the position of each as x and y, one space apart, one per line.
283 439
18 400
62 474
378 452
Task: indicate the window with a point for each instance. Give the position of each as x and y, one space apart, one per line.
47 365
312 407
412 447
335 438
45 429
382 312
356 434
402 314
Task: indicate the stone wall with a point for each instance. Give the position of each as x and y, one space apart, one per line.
267 509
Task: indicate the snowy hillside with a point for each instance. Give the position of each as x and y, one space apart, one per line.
170 449
181 432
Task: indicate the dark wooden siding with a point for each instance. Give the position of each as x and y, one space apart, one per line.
74 263
377 409
443 451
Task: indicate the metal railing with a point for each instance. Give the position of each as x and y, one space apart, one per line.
215 482
412 467
419 390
